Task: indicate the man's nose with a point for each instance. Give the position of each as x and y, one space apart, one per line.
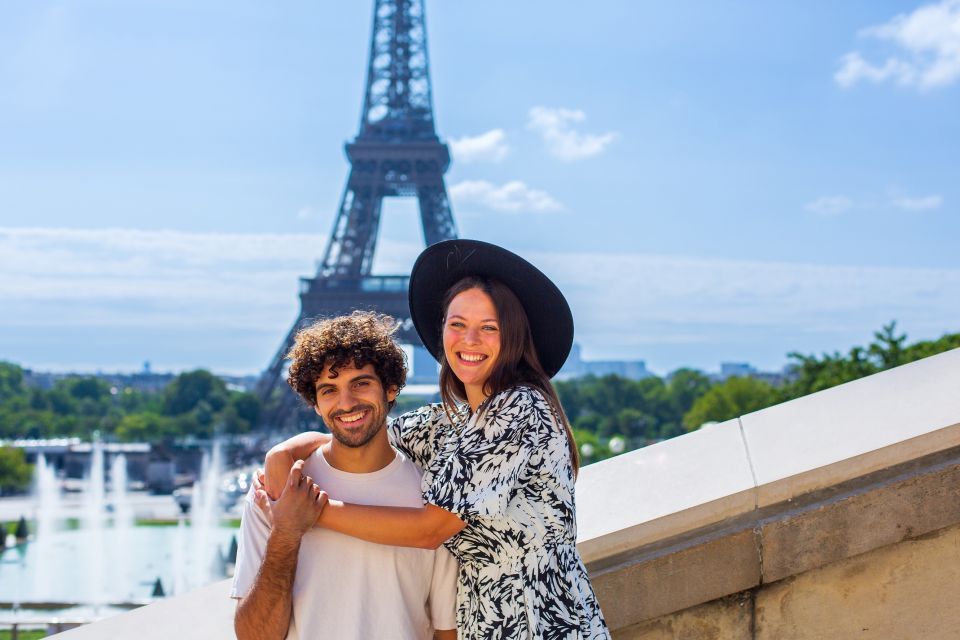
345 399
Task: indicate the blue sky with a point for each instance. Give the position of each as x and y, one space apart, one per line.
707 182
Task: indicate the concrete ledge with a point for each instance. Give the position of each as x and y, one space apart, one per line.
198 615
780 541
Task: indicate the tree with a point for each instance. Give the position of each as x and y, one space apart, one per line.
15 473
188 390
145 427
684 386
11 381
730 399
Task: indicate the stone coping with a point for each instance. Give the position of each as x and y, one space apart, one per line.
200 614
772 456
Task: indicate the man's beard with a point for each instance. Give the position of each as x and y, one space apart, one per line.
356 439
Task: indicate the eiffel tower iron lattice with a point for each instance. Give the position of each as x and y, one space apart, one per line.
396 153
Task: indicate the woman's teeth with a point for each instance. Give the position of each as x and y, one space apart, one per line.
472 357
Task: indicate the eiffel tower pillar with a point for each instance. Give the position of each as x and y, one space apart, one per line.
396 153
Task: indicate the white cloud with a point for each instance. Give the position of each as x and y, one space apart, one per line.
306 212
633 303
929 43
563 141
513 196
152 278
924 203
830 205
235 296
489 147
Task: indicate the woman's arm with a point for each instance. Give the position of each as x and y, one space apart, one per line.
424 528
281 457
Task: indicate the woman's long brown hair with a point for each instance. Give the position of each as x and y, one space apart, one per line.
517 364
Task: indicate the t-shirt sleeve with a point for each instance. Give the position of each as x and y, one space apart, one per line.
443 591
480 476
413 433
251 547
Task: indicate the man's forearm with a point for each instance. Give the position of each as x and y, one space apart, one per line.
264 614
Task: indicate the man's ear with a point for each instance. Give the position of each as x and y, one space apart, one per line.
316 408
392 393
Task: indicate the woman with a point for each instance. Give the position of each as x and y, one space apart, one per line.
498 456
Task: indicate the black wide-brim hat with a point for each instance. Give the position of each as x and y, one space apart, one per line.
442 265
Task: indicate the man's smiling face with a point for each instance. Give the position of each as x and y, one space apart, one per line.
353 403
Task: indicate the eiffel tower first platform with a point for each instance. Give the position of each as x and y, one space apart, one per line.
397 153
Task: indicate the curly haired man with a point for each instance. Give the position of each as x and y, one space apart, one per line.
297 581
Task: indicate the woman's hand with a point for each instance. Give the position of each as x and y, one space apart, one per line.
260 497
281 457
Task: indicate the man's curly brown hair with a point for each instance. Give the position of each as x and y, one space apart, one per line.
361 338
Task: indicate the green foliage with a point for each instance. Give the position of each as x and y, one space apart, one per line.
731 398
196 403
198 390
639 411
11 381
810 374
15 473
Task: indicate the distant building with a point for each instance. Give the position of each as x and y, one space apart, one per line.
746 370
576 367
738 369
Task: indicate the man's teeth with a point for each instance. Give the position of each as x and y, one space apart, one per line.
353 417
472 357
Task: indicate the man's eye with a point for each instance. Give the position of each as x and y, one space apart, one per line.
326 391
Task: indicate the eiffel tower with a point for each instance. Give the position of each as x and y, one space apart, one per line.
397 153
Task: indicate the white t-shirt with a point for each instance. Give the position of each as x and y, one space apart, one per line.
349 588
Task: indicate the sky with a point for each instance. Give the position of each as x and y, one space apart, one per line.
707 182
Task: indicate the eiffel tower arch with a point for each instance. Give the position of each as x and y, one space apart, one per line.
396 153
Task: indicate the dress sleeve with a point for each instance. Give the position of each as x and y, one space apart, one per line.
413 433
492 459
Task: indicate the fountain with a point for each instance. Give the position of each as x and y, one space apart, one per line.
94 513
48 516
102 557
205 512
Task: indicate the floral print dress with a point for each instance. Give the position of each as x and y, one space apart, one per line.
506 472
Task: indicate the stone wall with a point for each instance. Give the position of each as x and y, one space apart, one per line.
902 591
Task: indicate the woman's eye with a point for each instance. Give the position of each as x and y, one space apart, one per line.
489 327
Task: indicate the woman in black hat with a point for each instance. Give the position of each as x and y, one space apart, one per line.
498 456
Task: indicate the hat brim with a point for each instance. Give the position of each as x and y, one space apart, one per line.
443 264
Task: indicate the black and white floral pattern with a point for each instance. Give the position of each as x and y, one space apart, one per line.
507 473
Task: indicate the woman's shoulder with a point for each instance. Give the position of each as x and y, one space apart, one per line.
519 396
427 414
518 405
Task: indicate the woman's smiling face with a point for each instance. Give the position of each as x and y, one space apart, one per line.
471 340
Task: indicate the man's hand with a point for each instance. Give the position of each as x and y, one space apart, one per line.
265 612
299 505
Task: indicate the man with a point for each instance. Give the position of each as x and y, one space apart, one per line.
299 582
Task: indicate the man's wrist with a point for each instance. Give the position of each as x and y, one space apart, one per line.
284 537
